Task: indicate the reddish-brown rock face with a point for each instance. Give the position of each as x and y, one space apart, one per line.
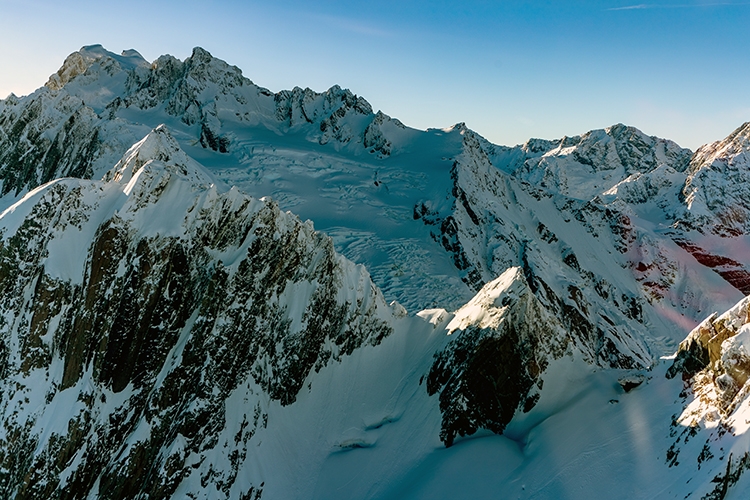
735 273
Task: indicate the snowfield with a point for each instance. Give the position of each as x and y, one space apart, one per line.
212 291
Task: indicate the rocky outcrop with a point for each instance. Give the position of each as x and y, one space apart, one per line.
715 359
375 138
75 64
50 137
734 272
714 363
145 301
330 113
75 125
496 222
715 192
502 342
162 335
585 166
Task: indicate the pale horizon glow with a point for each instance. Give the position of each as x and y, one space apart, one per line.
510 72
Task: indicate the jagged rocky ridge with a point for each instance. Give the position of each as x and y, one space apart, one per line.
179 293
57 131
714 362
148 324
494 366
323 137
601 249
154 321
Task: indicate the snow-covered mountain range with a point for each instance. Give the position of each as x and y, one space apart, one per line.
453 318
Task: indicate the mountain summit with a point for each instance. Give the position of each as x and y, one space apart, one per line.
211 290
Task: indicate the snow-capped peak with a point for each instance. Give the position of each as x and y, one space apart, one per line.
724 151
588 165
78 62
715 192
127 59
158 146
204 67
489 306
181 335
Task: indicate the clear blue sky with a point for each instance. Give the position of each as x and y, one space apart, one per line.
511 70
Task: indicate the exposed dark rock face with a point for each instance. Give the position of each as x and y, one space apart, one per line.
692 358
144 304
731 476
485 234
165 325
374 139
29 157
495 362
482 380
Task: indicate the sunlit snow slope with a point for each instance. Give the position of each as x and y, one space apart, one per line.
171 329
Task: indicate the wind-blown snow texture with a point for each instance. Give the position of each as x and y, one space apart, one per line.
165 335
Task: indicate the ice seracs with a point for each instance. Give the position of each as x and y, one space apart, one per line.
165 335
173 291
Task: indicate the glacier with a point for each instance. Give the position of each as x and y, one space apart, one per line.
211 290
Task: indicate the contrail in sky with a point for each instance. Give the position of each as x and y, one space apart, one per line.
677 6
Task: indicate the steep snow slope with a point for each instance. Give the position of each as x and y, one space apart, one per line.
167 336
712 224
136 306
715 191
610 275
327 156
655 185
222 348
363 177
